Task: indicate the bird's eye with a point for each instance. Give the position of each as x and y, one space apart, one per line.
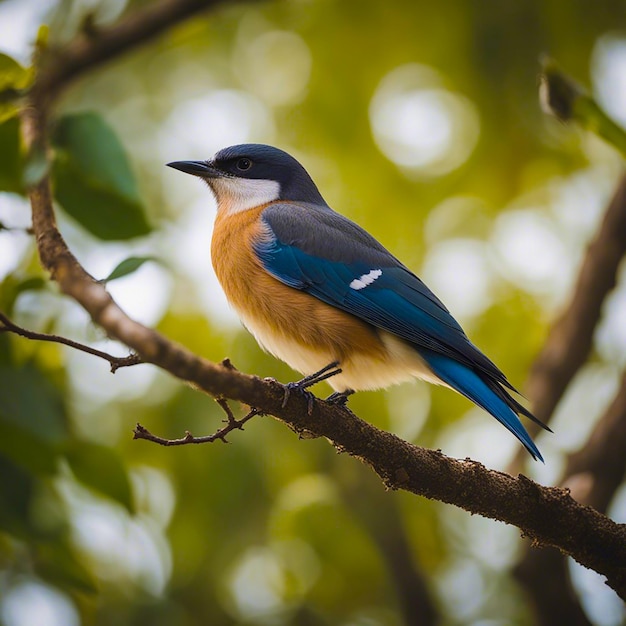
244 164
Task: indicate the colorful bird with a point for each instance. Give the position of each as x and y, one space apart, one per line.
316 290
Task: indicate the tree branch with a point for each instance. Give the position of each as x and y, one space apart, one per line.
16 229
593 474
116 362
544 575
92 49
549 516
544 572
570 338
232 423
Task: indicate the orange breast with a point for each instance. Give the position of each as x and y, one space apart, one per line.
282 312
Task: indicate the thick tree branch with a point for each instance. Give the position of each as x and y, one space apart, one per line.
549 516
596 471
116 362
570 339
593 474
592 477
544 575
92 49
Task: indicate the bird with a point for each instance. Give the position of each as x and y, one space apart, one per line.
320 293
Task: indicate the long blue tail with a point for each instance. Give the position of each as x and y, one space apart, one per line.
495 401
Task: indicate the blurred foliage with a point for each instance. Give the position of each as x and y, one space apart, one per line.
567 101
270 529
13 79
93 180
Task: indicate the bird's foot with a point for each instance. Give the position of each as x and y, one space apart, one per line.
289 387
339 398
303 384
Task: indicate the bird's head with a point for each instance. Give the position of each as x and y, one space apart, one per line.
248 175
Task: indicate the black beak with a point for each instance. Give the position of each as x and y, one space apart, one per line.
196 168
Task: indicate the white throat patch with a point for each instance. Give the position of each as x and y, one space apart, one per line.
240 194
365 280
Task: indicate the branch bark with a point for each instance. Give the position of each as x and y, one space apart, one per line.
116 362
220 435
549 516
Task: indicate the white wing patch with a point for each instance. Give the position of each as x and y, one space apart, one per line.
366 279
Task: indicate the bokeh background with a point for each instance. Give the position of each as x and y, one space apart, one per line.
418 120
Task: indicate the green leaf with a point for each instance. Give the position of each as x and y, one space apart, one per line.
16 492
30 507
13 80
128 266
93 179
10 156
101 469
12 74
32 415
26 449
35 283
29 399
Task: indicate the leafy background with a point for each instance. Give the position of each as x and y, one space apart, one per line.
421 122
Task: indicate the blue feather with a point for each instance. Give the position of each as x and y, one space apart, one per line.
468 383
396 301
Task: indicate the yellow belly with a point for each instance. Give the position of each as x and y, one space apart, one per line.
298 328
393 362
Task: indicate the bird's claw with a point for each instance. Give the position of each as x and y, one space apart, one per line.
339 398
302 385
289 387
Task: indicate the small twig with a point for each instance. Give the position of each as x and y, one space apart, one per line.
116 362
17 229
232 423
223 402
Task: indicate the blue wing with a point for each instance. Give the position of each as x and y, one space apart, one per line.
316 250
